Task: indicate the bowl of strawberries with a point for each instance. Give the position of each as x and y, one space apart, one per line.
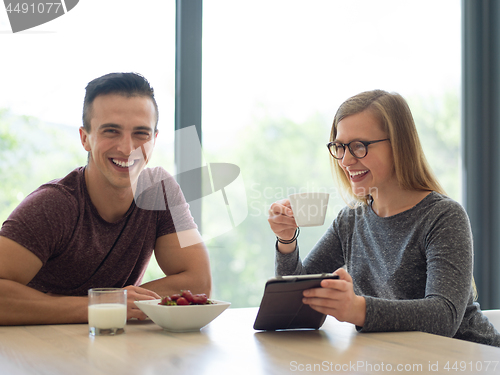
182 312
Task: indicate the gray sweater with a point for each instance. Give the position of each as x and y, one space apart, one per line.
414 268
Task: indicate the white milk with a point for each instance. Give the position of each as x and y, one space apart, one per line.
107 315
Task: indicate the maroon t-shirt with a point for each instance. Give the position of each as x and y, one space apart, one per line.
78 248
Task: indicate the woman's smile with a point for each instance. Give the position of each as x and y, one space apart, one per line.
357 175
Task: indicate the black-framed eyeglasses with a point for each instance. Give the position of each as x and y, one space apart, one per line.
358 149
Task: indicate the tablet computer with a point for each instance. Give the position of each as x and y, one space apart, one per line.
282 308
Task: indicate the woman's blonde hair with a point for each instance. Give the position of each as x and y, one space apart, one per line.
394 115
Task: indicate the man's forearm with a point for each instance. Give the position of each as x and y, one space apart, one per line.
22 305
181 281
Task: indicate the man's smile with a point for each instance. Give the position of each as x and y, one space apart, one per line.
123 163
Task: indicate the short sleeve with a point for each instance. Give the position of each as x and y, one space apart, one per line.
42 222
157 190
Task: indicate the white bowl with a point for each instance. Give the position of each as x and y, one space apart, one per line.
182 318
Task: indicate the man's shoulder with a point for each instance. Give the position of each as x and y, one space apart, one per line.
56 192
70 181
156 189
47 214
152 176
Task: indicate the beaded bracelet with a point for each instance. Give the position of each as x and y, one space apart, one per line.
287 242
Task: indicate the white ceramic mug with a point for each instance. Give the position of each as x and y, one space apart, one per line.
309 209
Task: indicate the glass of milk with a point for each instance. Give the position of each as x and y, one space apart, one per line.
107 311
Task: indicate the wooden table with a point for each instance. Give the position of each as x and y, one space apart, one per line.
229 345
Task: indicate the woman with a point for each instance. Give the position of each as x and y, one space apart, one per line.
403 250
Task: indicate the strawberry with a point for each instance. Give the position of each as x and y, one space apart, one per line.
187 295
182 301
200 299
174 297
165 300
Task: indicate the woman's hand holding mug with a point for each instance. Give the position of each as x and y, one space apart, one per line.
283 224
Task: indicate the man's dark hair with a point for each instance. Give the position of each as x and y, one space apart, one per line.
126 84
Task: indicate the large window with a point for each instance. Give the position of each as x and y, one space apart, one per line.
274 73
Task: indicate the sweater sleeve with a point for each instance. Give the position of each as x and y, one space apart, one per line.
448 254
325 256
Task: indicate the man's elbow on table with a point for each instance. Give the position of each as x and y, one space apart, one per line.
204 283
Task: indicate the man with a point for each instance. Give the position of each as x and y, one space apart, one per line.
86 230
